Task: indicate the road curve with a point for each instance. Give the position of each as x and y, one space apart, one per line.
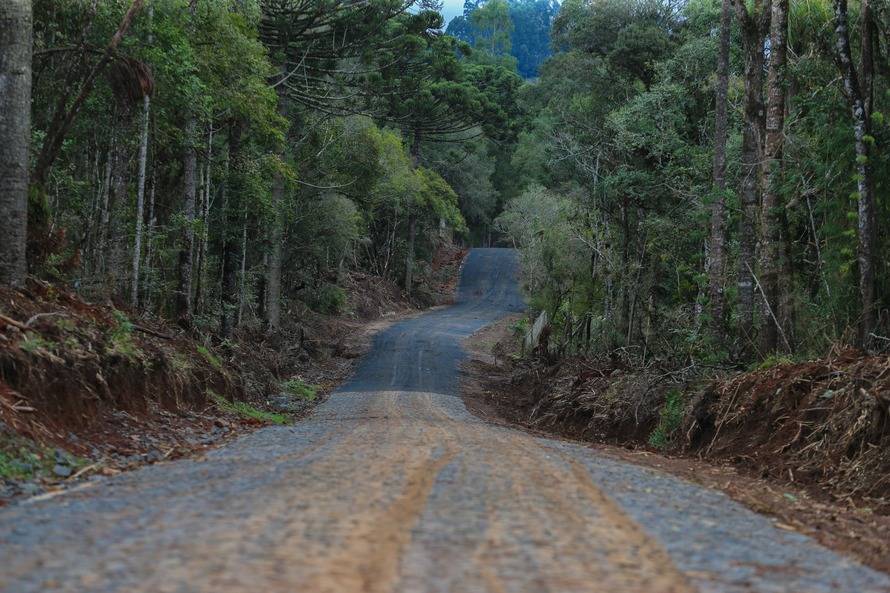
392 486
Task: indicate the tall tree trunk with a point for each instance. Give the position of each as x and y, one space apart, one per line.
140 200
772 257
412 221
409 256
869 41
98 255
231 220
229 287
859 99
242 289
89 239
140 187
275 260
189 193
276 234
187 246
754 28
115 250
150 236
623 281
201 276
15 137
224 209
717 244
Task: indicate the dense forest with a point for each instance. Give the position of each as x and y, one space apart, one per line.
706 180
525 34
685 179
211 160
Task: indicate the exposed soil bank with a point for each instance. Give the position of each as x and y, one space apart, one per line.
806 443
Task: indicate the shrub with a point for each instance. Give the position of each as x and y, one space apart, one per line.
670 419
328 299
771 361
245 410
209 357
121 341
301 389
520 327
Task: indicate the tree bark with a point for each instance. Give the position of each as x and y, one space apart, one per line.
115 248
242 288
868 40
754 28
187 246
100 246
275 262
152 223
15 136
859 99
771 257
189 193
224 209
622 277
231 220
89 238
276 237
717 243
409 257
412 221
140 187
201 276
140 200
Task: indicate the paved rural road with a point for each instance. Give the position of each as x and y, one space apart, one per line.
393 486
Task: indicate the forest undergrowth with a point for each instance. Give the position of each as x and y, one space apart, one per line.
823 423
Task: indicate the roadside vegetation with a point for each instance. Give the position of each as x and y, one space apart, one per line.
210 163
300 389
700 195
655 216
247 411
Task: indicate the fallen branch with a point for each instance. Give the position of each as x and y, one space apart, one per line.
62 121
84 470
152 332
13 322
42 315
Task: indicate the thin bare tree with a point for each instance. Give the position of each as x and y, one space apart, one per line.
754 27
140 184
772 208
717 243
858 88
189 193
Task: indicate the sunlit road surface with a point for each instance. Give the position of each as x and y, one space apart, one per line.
391 485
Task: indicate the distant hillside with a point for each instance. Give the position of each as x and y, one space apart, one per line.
531 30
